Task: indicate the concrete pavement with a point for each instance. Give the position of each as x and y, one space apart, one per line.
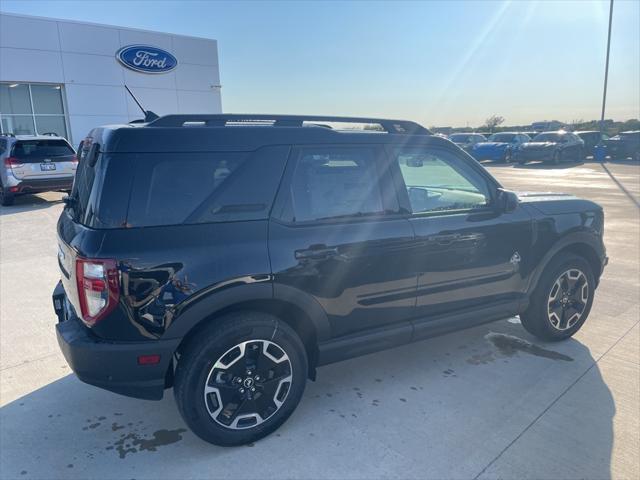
481 403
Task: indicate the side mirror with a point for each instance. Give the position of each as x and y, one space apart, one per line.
507 200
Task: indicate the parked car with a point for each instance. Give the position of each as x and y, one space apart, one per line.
554 147
499 147
466 141
32 164
591 138
624 145
230 261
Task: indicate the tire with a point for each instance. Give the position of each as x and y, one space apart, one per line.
222 358
539 320
508 156
6 199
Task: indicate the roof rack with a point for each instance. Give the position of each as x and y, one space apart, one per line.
223 120
50 134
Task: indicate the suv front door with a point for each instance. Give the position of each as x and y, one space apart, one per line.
468 253
337 235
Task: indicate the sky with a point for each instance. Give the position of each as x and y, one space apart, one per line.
439 63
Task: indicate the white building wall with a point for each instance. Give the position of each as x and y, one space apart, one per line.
82 56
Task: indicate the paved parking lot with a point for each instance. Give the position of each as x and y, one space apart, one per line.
489 402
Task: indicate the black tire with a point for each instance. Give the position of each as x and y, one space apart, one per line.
6 199
537 319
209 348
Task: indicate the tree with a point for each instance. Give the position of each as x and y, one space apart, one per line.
493 121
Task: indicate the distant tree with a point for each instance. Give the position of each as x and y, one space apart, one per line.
493 121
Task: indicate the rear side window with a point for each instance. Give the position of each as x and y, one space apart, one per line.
38 149
191 188
335 182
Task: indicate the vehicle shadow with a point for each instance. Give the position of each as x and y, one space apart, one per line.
465 398
619 184
28 203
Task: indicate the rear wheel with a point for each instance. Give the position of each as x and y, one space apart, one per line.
6 198
562 299
241 378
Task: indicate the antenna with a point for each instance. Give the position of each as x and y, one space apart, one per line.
149 116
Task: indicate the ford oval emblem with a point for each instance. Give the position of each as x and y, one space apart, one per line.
146 59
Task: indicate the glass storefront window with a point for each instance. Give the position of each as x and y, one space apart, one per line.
51 124
46 99
14 98
28 109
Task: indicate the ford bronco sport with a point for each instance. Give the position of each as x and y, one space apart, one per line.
230 256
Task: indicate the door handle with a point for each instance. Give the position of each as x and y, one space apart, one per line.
316 252
445 239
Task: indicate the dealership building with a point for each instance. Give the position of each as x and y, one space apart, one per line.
66 77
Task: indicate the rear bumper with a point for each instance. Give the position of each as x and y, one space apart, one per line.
110 365
42 185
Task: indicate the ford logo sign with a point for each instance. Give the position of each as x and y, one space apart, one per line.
146 59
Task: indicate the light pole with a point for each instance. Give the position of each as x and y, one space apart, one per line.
600 153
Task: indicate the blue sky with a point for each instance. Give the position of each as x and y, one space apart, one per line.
440 63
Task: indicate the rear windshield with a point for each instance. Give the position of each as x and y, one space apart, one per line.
32 149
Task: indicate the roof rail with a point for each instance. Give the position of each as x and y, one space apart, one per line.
221 120
7 134
50 134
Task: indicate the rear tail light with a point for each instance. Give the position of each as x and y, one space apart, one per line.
98 288
74 159
12 162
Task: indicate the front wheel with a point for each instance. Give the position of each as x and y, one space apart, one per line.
562 299
241 378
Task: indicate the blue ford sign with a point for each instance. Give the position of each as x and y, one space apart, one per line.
146 59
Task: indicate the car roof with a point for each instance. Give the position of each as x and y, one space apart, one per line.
33 137
233 132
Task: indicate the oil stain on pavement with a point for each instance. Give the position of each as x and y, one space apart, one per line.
509 346
133 443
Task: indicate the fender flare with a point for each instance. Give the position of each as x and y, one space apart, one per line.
570 239
217 299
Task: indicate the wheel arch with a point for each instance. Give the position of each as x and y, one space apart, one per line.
290 305
580 244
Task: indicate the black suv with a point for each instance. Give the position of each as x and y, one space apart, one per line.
230 256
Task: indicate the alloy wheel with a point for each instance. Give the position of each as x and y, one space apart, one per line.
248 384
568 299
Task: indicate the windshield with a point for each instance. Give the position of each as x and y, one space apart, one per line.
502 137
548 137
461 138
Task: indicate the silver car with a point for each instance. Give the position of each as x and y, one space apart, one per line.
34 163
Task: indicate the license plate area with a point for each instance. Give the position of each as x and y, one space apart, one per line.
46 167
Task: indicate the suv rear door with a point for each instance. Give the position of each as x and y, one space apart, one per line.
337 235
468 253
39 158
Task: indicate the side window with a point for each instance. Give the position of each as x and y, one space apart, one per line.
3 146
438 181
335 182
205 187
